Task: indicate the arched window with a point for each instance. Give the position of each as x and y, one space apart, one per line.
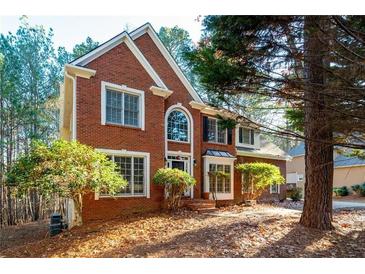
177 126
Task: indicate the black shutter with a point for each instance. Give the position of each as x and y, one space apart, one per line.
205 128
240 135
229 136
252 137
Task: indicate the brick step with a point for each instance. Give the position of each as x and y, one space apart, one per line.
198 201
197 206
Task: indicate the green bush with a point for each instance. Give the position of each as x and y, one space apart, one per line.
69 169
359 189
176 182
259 176
341 191
295 193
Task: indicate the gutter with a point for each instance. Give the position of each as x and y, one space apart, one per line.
265 156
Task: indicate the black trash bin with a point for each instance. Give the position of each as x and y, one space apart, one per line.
56 225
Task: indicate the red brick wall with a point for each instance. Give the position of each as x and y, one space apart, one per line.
119 66
180 95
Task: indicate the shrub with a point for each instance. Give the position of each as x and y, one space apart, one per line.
68 169
295 193
176 182
341 191
359 189
258 176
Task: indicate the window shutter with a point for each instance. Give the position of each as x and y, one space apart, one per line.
252 137
229 136
240 135
205 128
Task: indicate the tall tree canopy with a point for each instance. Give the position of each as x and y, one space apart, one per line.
313 64
30 72
177 41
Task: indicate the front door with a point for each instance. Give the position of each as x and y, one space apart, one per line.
182 165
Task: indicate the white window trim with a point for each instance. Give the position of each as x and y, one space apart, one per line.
123 89
256 141
216 133
126 153
218 161
271 191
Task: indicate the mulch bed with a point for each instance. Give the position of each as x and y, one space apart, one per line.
236 231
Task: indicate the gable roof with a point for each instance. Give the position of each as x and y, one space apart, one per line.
113 42
339 161
147 28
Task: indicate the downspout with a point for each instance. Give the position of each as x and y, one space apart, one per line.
70 206
73 137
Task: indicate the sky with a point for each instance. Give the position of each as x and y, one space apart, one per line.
70 30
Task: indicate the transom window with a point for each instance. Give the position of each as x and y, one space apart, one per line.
177 126
220 178
246 136
131 168
216 132
122 108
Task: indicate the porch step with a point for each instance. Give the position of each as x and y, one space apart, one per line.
200 205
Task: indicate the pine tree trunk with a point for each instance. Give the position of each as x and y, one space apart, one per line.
317 211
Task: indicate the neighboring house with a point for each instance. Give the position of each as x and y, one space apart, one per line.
348 171
129 99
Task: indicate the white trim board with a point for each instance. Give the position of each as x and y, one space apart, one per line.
117 40
147 28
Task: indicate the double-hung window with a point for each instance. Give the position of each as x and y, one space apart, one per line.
122 106
216 132
246 136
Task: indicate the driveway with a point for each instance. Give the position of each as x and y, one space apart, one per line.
348 204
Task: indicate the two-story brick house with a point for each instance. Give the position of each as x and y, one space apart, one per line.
129 99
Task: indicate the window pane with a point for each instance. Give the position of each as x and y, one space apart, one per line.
227 185
221 134
212 130
114 106
274 188
177 126
246 136
246 187
125 168
138 175
131 109
212 179
220 180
